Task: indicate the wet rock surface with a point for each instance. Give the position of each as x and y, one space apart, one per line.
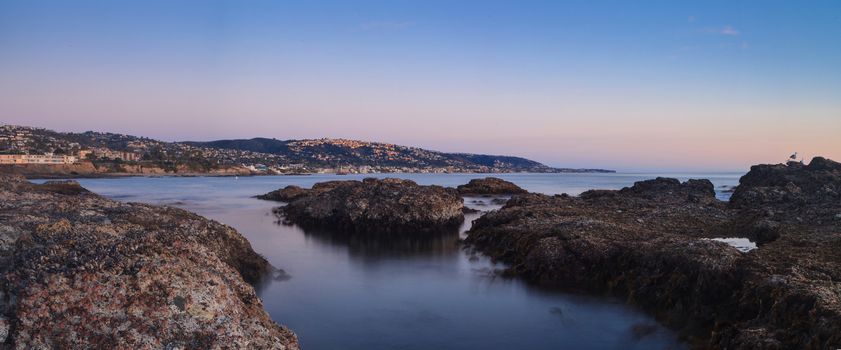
490 186
373 205
649 242
81 271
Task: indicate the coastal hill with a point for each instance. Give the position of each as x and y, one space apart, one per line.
129 154
353 153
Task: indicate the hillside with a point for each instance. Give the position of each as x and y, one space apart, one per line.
261 154
353 153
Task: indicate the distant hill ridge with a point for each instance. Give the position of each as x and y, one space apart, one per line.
364 153
308 155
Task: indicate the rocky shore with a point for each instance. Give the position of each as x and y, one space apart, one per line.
81 271
654 243
88 169
372 206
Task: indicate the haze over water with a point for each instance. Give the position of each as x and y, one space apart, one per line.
373 293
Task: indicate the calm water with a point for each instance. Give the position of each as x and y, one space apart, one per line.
366 293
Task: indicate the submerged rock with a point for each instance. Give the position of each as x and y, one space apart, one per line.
81 271
649 242
374 205
490 186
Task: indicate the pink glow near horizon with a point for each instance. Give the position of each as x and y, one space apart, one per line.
566 84
634 135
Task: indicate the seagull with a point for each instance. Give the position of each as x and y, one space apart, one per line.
793 156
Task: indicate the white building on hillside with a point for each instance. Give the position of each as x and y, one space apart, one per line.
48 158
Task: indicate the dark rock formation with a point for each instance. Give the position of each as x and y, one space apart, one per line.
292 192
286 194
649 243
490 185
375 205
810 192
81 271
795 289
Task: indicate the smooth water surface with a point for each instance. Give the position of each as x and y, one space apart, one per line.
412 293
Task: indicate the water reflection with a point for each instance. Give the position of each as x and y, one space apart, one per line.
276 275
407 244
391 245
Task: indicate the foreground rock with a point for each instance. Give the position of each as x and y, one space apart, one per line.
374 205
490 186
81 271
649 242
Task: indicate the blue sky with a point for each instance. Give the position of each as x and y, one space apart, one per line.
713 85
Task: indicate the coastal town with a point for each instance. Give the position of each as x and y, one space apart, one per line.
23 145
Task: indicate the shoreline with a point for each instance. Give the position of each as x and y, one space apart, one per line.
54 175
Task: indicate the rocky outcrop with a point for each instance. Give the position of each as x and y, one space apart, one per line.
490 186
292 192
649 242
81 271
794 291
811 192
372 205
286 194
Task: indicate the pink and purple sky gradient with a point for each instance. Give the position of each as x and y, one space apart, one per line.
659 85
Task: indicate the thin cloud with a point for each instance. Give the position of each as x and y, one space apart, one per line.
386 25
725 30
728 30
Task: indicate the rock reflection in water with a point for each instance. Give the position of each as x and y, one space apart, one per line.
375 245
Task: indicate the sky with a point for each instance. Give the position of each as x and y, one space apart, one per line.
627 85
